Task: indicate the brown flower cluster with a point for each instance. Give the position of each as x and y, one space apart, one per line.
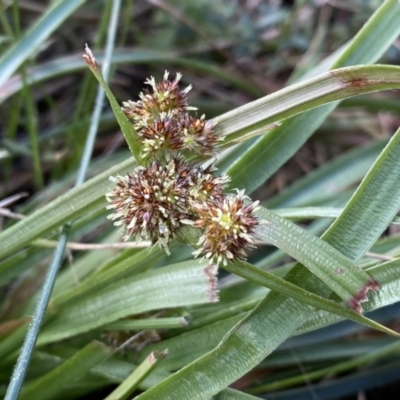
155 200
228 226
164 124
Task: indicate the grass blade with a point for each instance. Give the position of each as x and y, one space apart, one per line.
177 285
338 272
15 56
279 285
148 323
137 376
126 126
331 86
49 385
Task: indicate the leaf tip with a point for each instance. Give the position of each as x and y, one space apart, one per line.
155 356
89 58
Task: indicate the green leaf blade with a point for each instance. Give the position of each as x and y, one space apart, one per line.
15 56
50 384
331 266
126 126
182 284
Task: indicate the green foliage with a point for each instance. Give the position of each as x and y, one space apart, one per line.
126 318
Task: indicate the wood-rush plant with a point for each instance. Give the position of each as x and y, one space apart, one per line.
177 183
167 192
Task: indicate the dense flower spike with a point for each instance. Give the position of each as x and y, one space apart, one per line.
151 202
164 125
204 186
228 227
198 135
166 98
162 134
154 201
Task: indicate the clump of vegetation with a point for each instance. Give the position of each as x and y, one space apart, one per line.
295 118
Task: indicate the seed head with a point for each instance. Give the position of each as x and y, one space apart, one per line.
204 187
151 202
160 136
198 136
154 201
165 98
228 228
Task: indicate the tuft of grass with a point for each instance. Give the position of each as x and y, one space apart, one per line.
298 97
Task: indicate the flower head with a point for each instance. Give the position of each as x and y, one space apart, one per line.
228 227
151 202
204 186
162 135
198 135
164 98
154 201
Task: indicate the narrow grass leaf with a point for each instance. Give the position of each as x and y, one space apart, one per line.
124 268
123 391
327 350
279 285
386 274
126 126
187 347
182 284
331 86
32 128
337 271
306 213
51 384
148 323
34 37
